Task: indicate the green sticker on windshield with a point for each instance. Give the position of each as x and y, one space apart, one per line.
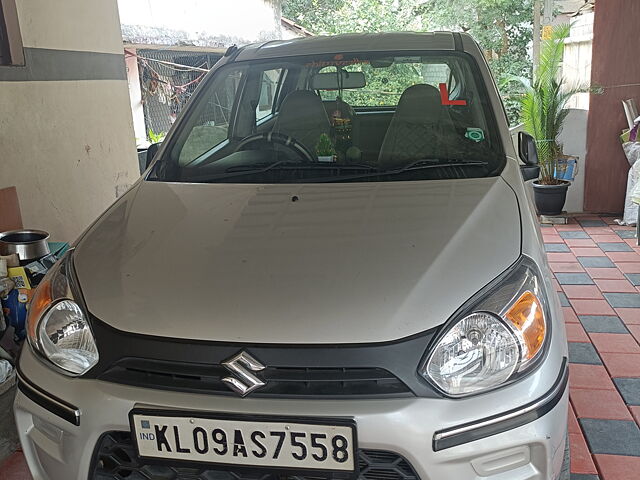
475 134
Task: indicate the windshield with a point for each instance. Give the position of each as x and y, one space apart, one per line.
337 118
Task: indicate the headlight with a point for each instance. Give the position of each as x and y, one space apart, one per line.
57 328
497 337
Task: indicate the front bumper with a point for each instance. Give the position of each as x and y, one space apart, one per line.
57 449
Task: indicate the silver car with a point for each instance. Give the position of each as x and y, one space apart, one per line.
331 269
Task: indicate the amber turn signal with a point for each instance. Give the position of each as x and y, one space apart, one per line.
527 316
40 302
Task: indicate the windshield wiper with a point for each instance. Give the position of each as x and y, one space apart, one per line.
258 168
422 164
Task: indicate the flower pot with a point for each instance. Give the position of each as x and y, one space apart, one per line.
326 158
550 199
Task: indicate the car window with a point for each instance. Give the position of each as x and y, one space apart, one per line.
336 117
385 84
268 89
210 123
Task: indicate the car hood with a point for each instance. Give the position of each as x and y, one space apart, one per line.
327 263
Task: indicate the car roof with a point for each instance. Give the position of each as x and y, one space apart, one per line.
349 43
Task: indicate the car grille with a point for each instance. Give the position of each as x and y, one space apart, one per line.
115 458
280 381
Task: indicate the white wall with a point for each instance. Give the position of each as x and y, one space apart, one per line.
66 134
576 72
574 140
236 21
135 97
576 68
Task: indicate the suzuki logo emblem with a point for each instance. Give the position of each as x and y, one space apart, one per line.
243 381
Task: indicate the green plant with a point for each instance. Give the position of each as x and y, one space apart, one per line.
156 137
325 147
544 104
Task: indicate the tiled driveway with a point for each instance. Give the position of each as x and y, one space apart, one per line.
597 268
596 264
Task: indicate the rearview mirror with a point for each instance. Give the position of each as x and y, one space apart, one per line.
151 152
329 80
527 149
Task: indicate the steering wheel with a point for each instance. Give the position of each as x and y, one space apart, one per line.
281 139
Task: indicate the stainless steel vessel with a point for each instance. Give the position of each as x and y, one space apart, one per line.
28 244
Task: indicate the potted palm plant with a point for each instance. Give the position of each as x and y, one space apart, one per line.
543 114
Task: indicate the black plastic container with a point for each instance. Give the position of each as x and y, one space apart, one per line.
550 199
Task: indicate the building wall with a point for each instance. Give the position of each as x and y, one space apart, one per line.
135 97
576 67
615 63
576 72
66 134
574 142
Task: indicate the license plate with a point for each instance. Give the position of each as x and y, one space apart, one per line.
298 444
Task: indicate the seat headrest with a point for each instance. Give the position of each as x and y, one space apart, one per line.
420 103
301 100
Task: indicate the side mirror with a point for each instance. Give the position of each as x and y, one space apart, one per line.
151 152
529 172
527 149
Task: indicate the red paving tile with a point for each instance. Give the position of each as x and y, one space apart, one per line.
611 237
598 230
632 242
607 285
571 227
586 252
583 291
605 404
632 267
575 333
546 238
561 257
15 468
610 273
592 307
581 461
593 377
565 267
556 285
635 411
569 315
635 331
574 427
622 364
579 242
617 467
615 343
630 316
623 257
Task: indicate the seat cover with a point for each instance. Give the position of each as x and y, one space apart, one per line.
303 117
420 128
